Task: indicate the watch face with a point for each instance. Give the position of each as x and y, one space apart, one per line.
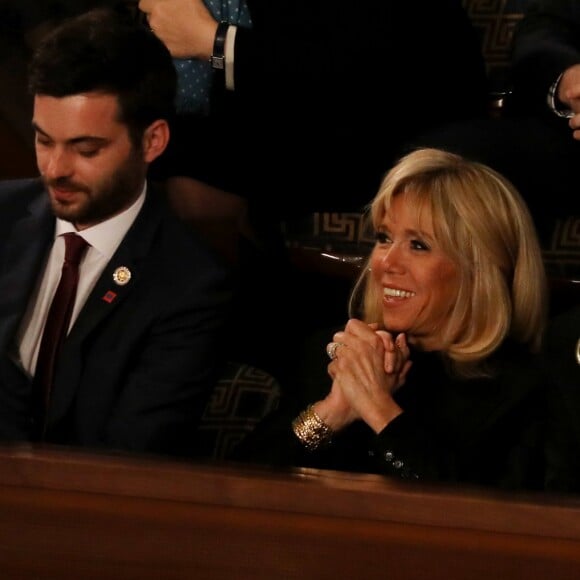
217 62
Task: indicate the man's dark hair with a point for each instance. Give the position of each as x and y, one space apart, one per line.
105 50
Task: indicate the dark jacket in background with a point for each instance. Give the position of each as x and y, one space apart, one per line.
327 94
546 42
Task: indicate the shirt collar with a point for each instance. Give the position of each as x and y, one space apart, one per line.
106 236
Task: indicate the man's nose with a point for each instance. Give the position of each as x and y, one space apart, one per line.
57 164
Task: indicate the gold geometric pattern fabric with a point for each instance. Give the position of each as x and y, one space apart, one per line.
242 396
495 20
349 234
348 227
562 255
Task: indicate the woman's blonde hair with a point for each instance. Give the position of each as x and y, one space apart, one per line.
482 223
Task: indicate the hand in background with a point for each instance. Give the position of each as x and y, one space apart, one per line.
186 27
569 94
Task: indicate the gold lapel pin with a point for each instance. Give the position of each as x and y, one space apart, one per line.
121 275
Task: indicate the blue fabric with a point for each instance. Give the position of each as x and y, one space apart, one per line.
194 77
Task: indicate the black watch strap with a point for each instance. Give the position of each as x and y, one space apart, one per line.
218 59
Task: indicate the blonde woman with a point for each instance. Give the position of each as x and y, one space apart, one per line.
435 375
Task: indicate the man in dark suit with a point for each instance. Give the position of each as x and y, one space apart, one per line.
545 104
142 351
546 107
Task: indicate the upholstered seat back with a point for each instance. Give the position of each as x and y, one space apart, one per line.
241 397
496 21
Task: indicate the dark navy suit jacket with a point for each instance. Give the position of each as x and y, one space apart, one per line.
138 365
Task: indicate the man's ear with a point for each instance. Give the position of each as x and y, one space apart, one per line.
155 140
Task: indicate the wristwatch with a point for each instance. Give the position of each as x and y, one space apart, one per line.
218 59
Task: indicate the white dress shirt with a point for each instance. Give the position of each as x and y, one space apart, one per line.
104 239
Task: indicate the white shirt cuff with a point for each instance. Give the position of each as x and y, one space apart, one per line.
229 57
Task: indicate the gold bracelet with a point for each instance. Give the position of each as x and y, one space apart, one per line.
312 431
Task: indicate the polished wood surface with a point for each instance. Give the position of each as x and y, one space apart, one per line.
70 515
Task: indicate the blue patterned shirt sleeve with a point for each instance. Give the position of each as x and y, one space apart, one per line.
194 76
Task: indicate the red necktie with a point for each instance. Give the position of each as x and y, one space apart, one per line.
58 320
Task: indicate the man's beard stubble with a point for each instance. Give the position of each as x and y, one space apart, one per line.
101 201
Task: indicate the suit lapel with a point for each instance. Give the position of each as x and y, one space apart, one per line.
22 261
107 296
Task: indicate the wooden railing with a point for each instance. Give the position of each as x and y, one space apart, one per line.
78 516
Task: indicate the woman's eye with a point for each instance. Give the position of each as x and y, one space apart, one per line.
382 237
419 245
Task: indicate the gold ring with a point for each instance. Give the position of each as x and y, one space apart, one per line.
331 349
